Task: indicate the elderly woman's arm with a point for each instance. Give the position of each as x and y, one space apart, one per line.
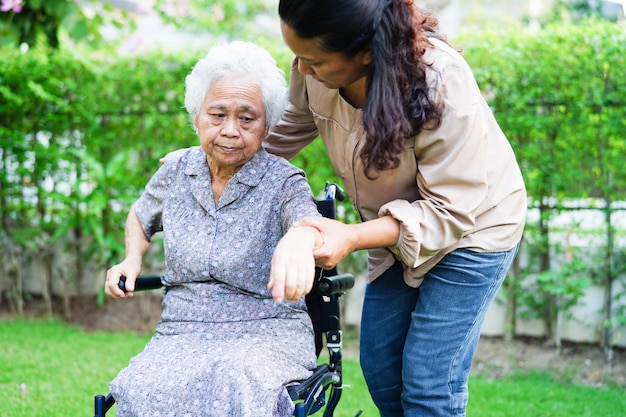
136 246
293 264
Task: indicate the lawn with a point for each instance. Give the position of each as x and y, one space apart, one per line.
51 369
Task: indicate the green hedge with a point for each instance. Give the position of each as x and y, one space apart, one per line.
78 139
560 96
80 134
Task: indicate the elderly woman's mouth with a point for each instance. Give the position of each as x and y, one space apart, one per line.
228 149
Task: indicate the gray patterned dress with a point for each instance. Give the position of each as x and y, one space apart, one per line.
222 347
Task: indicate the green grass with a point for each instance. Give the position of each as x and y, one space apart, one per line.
63 367
538 394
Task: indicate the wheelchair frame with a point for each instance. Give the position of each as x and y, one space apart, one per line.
309 396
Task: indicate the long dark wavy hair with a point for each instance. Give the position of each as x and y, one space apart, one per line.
398 105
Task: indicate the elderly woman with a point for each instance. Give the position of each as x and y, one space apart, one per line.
223 345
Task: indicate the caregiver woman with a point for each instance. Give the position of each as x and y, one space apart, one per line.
432 176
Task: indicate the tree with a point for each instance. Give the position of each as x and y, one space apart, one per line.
25 22
82 21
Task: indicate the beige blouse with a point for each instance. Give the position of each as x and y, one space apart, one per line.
458 186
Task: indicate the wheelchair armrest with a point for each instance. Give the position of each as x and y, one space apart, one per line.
327 285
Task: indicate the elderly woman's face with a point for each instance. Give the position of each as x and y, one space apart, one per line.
231 123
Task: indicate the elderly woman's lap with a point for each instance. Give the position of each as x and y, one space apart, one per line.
214 372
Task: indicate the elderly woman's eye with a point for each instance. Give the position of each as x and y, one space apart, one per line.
246 119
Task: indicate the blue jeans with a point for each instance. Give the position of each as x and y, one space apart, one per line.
417 344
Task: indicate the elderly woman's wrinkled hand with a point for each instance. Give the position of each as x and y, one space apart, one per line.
123 269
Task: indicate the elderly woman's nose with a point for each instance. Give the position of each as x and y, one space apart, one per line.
230 126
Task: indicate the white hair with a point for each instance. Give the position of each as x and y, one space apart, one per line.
238 58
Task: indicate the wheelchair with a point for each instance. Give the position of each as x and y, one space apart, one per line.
323 389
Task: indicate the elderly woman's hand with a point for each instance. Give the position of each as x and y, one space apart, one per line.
293 264
126 268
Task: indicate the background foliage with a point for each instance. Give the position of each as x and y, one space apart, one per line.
81 132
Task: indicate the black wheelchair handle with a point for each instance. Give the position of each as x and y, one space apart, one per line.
335 284
143 283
